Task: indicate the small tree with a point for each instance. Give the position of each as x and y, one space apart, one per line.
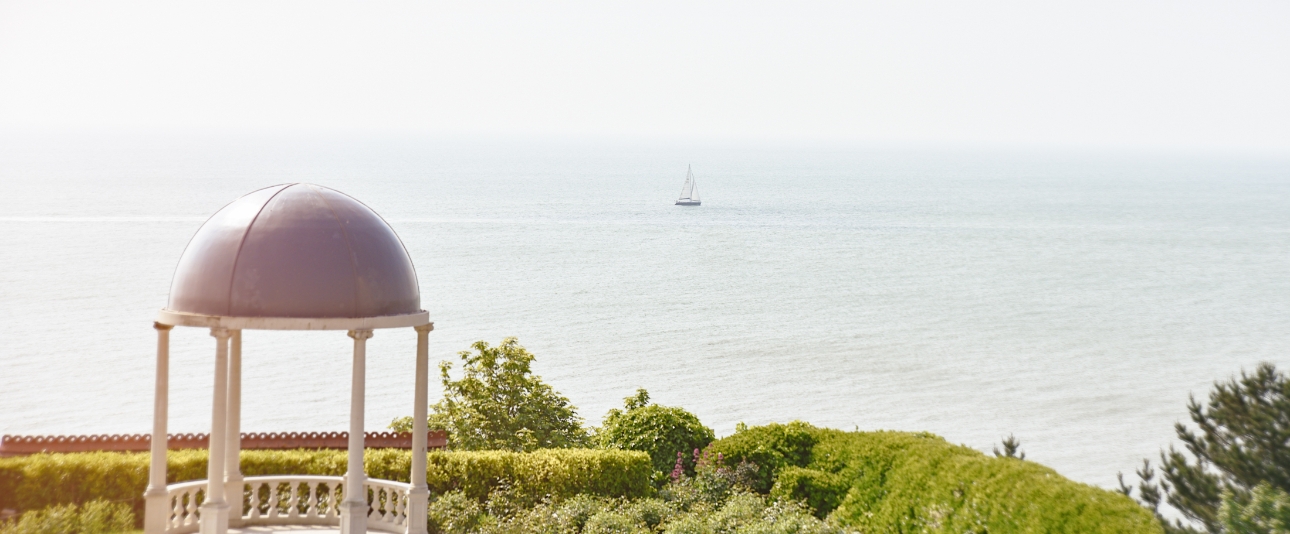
660 431
1011 449
500 404
1241 439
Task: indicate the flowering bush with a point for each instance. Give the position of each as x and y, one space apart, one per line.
713 481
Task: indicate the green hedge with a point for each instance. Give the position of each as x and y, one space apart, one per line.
918 482
43 480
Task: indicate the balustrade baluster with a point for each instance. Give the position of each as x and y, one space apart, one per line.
190 515
293 509
312 510
333 489
177 511
254 501
273 500
403 508
374 502
388 505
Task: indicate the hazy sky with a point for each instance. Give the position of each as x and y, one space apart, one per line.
1173 74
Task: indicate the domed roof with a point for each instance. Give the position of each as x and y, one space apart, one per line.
295 251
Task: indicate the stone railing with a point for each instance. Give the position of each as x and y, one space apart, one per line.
21 445
293 500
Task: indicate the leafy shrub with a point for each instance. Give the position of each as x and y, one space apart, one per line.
820 490
93 517
741 512
908 482
771 448
499 404
748 513
455 513
614 522
42 480
660 431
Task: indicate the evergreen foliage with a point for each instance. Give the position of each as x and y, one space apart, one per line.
1011 449
1240 439
1266 511
662 432
499 404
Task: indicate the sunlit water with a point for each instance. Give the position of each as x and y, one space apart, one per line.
1074 300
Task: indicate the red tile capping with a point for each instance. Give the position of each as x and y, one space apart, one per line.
23 445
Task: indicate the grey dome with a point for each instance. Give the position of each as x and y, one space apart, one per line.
295 251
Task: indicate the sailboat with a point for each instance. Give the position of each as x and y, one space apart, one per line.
689 192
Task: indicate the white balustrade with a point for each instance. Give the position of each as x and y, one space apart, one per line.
184 498
293 500
388 504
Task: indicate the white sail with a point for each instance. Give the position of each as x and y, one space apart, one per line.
688 188
689 191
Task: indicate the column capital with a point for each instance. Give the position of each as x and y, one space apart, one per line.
220 332
361 334
425 328
162 327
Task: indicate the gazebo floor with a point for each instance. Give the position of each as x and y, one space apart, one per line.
264 529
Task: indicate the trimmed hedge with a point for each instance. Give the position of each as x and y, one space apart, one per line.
43 480
917 482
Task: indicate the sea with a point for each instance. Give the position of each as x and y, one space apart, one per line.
1075 299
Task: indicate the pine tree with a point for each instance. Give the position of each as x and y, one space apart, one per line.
1240 439
1011 448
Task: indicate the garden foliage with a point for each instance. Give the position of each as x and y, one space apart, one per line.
499 404
660 431
43 480
917 482
686 505
780 478
93 517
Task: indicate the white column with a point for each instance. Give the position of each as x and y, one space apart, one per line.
157 506
353 511
233 456
419 495
214 511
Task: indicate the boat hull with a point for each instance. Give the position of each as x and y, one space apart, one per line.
688 203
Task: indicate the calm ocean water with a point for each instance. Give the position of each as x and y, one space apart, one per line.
1073 299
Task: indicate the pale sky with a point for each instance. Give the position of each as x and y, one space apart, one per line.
1162 74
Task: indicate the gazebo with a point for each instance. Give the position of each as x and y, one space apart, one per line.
288 257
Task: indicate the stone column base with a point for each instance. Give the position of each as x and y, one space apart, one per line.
418 503
156 511
353 517
214 519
